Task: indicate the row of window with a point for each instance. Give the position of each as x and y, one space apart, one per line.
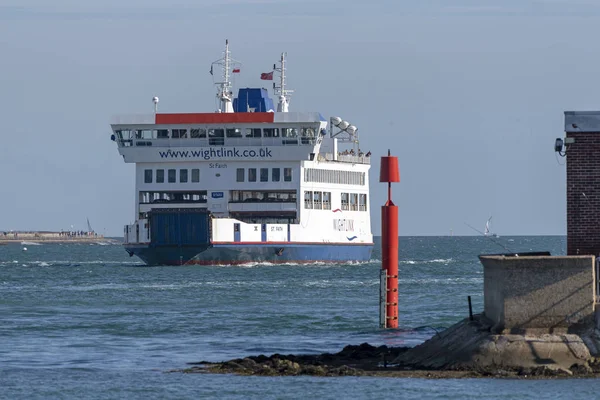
334 176
317 200
173 197
322 201
184 175
158 176
199 133
249 196
263 174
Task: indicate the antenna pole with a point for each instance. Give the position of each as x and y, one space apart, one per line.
284 93
224 87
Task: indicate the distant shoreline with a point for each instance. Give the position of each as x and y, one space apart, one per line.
52 237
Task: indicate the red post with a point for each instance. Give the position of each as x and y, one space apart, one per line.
389 173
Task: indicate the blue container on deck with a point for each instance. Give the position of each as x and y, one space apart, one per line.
179 227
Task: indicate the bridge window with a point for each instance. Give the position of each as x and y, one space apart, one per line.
239 173
160 176
162 133
308 196
275 174
287 174
362 202
216 137
271 132
253 132
251 174
143 134
234 133
290 132
183 175
178 133
264 174
197 133
172 175
147 176
195 175
345 198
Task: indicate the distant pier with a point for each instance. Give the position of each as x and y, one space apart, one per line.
7 237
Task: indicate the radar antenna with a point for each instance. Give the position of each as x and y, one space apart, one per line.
284 94
224 93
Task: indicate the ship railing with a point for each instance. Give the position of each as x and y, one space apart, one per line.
345 158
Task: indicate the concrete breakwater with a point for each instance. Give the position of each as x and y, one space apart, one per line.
52 237
540 319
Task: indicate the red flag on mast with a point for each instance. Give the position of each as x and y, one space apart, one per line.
236 71
267 76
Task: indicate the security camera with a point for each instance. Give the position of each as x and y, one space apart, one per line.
558 145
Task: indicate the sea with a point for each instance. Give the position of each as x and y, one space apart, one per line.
86 321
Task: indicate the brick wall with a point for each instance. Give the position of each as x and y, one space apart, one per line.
583 194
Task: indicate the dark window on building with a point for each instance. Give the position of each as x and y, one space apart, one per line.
172 175
275 174
160 176
195 175
251 174
264 174
240 175
147 176
183 175
287 174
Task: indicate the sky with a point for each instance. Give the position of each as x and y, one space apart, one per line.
468 94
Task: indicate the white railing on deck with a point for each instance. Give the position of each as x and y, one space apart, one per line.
346 158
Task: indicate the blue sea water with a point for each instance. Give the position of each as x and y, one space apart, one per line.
87 321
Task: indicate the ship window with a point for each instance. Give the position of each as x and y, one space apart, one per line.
234 133
345 201
252 132
287 174
317 203
195 175
124 134
240 175
183 175
148 176
178 133
172 175
290 132
198 133
308 199
353 201
162 133
275 174
143 134
271 132
308 132
362 202
251 174
215 137
264 174
326 200
160 176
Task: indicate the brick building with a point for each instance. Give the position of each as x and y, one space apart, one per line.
582 149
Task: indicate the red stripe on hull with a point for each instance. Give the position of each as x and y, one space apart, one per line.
213 118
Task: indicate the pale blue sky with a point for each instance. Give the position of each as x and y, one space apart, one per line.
468 94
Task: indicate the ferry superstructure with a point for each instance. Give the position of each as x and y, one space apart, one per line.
246 183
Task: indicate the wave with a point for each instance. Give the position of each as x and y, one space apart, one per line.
30 244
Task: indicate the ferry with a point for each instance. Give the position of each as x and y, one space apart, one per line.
247 183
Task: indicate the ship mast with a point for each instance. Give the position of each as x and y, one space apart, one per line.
284 98
224 93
